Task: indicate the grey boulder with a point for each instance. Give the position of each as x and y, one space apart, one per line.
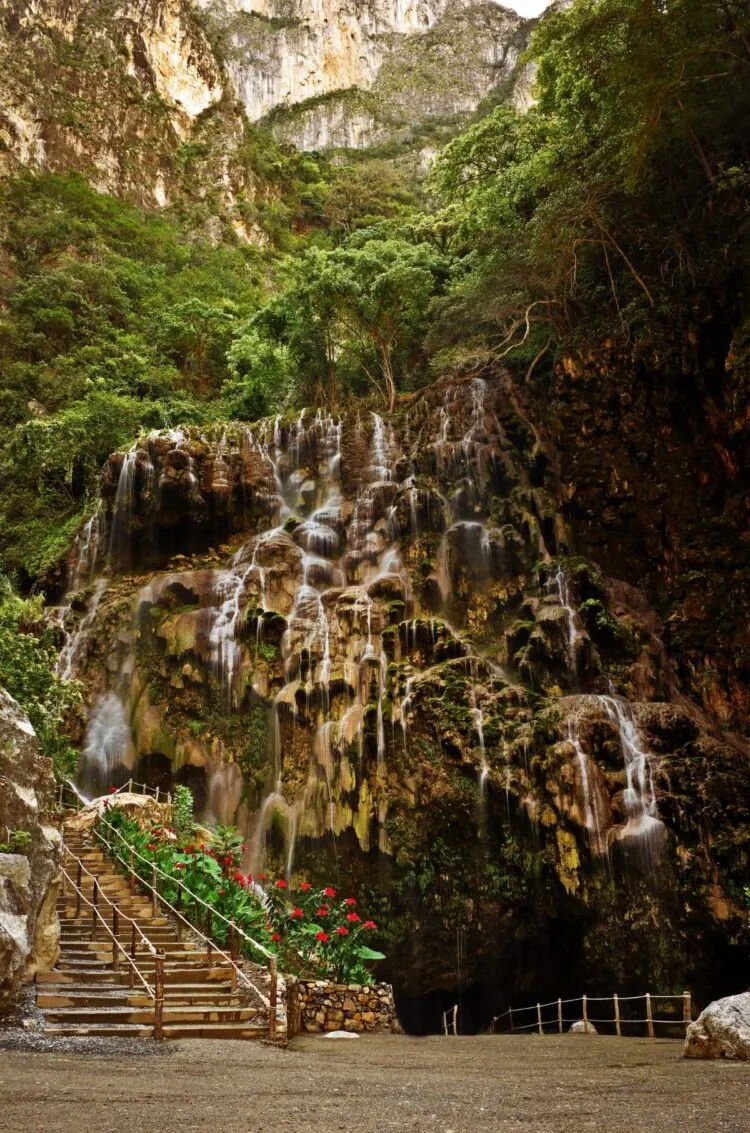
722 1030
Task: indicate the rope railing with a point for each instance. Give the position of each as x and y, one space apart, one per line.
155 992
234 930
81 870
616 1020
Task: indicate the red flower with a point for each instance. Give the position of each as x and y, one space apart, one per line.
322 911
222 892
329 892
321 936
281 884
305 886
239 878
249 879
227 860
297 913
352 918
276 936
342 931
113 790
261 877
350 902
369 924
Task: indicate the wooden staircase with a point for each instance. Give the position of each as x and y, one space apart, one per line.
90 992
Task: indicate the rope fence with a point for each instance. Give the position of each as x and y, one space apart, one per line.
545 1021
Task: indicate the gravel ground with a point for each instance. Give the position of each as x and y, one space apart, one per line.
435 1085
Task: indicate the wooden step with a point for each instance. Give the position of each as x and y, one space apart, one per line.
102 1030
173 1015
215 1031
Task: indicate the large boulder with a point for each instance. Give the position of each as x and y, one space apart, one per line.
582 1027
722 1030
29 880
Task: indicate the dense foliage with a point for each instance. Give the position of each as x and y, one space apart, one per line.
314 932
28 657
615 209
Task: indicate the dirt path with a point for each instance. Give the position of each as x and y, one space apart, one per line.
436 1085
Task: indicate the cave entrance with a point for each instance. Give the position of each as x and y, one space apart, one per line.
477 1005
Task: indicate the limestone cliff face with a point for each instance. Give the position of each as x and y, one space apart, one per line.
123 91
351 74
29 881
373 645
111 89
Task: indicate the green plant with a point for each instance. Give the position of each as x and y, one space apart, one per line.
19 842
182 812
227 845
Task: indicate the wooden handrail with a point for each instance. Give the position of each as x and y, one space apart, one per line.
210 945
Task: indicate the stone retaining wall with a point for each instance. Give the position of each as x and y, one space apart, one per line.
316 1006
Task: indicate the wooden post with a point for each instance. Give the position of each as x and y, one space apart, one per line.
79 882
94 906
231 939
132 870
130 785
585 1015
157 794
115 942
154 902
618 1030
510 1012
649 1015
559 1016
687 1009
272 998
159 996
132 953
539 1018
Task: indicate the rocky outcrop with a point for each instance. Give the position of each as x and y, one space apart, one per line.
722 1030
29 881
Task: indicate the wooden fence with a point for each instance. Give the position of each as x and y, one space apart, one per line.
555 1016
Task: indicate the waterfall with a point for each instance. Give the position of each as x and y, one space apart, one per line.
560 582
590 806
107 746
123 506
75 640
639 797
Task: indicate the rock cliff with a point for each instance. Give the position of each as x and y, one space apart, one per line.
133 95
411 653
29 880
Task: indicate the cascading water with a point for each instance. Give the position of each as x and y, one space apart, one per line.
123 505
348 643
639 797
107 747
